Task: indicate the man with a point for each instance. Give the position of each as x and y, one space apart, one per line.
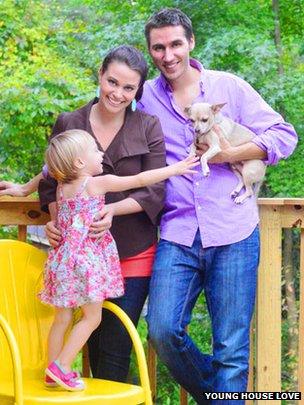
208 243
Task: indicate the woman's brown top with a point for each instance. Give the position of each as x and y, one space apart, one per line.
138 146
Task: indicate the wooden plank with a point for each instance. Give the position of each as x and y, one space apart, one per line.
268 312
22 233
271 201
183 396
292 216
22 213
152 363
261 201
85 361
280 201
8 198
250 386
301 322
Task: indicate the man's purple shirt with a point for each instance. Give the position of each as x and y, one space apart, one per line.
196 202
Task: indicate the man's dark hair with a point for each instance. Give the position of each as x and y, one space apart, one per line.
133 58
169 17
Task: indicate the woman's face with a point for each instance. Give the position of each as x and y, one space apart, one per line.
118 86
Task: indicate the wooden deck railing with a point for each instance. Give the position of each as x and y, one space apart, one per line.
276 214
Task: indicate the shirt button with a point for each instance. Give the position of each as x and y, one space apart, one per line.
197 183
199 207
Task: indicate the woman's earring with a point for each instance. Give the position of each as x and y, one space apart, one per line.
98 92
133 105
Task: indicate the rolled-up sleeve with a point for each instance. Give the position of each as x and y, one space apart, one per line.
273 135
151 198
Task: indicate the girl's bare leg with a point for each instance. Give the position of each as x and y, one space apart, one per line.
80 334
62 320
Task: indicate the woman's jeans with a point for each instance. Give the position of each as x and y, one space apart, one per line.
227 274
109 345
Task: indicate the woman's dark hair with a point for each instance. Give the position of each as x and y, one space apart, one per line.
133 58
169 17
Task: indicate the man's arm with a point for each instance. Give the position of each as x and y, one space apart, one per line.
275 139
274 136
232 154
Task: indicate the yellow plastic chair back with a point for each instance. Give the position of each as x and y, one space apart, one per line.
24 326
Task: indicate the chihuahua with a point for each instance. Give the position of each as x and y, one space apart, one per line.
203 117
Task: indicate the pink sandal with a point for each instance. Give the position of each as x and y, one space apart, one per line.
70 381
49 382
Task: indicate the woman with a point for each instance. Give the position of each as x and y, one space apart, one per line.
132 142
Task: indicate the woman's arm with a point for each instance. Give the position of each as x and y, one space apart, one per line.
20 190
53 234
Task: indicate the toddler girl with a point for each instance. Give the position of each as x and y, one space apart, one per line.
81 271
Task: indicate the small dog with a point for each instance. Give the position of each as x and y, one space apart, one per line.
203 117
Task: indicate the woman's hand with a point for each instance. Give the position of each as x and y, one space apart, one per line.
103 222
52 233
13 189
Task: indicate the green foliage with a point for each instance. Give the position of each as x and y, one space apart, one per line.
232 35
37 84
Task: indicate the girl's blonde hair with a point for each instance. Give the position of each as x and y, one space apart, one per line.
63 150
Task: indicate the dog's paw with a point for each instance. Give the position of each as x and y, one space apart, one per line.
234 193
206 173
241 199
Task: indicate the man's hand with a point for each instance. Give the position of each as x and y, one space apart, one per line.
227 151
52 233
102 223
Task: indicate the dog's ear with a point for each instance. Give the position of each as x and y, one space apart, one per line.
187 110
217 107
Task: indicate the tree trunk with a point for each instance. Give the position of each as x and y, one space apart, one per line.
277 35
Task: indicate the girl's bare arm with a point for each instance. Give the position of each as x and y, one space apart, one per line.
111 183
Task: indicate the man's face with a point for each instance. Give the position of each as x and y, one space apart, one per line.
170 50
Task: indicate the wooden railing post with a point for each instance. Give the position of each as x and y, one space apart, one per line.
301 321
152 364
268 311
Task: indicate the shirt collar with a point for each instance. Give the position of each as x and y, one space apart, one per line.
194 63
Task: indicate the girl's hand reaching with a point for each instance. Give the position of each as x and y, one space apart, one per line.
185 166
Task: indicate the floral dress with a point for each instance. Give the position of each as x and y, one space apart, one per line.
81 270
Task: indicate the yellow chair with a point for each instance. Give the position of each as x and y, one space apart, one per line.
24 325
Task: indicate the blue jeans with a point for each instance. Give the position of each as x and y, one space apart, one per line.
227 274
109 345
